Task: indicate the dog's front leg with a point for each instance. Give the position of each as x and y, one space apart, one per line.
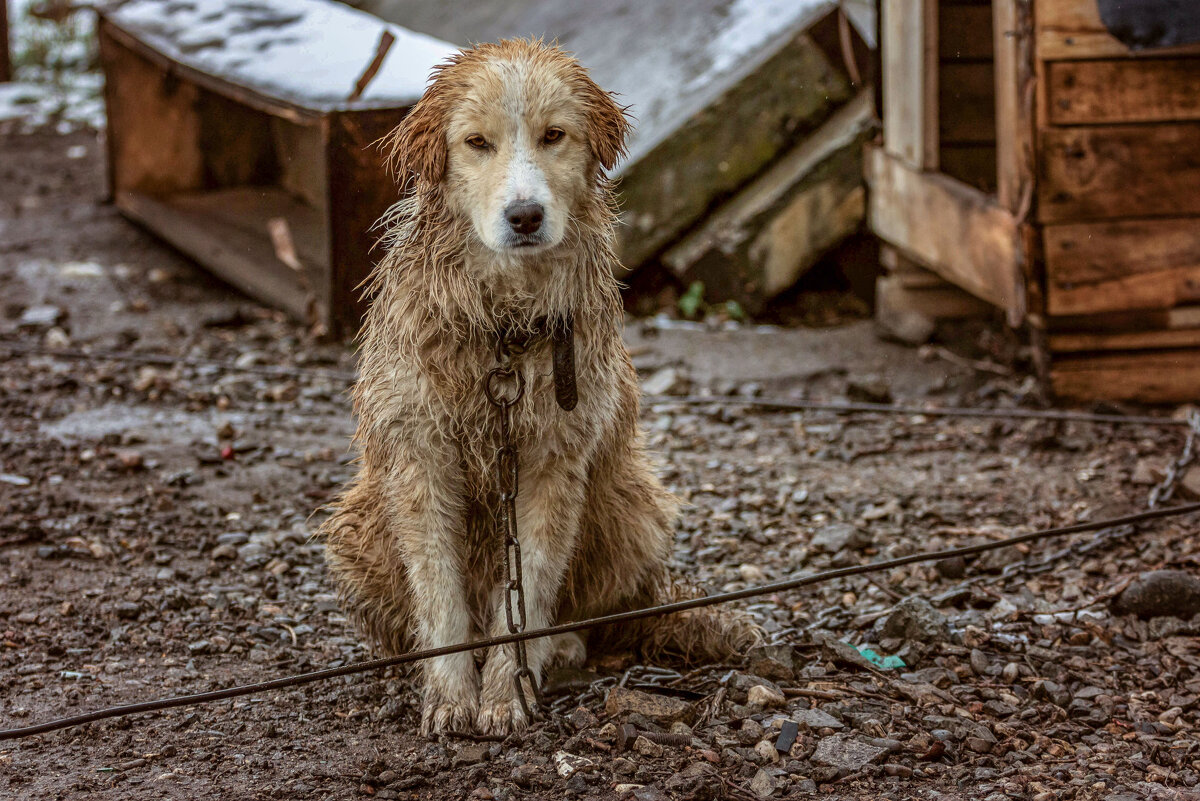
427 503
549 507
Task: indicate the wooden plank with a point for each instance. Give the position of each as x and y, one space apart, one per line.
153 124
5 58
1108 172
967 103
245 260
1120 265
360 191
943 302
964 32
910 81
1071 29
1175 319
1129 90
1015 97
1167 376
1080 341
956 231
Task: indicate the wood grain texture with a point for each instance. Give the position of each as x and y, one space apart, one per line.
1126 264
1071 29
1126 90
1014 104
910 81
956 231
1163 376
1081 341
1110 172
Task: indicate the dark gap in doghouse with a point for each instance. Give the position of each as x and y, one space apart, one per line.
967 93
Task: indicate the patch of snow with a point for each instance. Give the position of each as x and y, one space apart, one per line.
54 69
309 52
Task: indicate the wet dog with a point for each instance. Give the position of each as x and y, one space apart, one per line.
505 228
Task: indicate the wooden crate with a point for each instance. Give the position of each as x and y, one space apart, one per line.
1068 195
248 146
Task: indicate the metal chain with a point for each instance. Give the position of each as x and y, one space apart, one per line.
1166 488
504 373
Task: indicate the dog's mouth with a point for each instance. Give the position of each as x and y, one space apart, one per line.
527 242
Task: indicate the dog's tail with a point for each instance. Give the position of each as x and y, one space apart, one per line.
697 636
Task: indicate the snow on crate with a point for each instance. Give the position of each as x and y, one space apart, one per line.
306 52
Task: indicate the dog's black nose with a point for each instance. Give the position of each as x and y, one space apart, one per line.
525 216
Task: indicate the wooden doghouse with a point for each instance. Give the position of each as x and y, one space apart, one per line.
1037 160
241 133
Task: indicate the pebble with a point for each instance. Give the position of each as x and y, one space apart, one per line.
647 748
763 784
662 709
761 696
915 618
1160 593
844 752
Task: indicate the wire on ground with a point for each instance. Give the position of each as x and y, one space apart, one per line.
563 628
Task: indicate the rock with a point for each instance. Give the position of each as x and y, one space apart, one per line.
841 652
525 775
846 753
666 381
1146 473
762 696
816 719
979 745
838 537
869 390
763 784
699 781
953 568
774 662
568 765
1160 593
915 618
646 748
56 338
751 573
1046 690
662 709
979 662
471 754
906 326
42 316
129 458
766 751
582 718
788 732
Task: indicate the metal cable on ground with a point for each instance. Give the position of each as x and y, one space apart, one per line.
622 617
780 404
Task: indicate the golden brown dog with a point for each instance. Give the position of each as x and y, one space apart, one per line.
505 225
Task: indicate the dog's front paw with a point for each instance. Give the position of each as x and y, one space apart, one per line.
502 717
439 715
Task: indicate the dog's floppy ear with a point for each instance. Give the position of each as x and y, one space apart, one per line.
416 149
607 124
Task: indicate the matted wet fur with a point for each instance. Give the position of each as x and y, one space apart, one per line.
503 128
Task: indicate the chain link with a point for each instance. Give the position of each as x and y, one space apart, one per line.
504 387
1166 488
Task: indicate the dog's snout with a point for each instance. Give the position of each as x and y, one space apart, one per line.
525 216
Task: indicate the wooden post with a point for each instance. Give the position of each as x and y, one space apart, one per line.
1012 28
5 58
910 81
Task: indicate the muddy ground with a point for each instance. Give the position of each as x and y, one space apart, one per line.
154 531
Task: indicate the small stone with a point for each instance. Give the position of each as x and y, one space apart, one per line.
979 745
568 765
1053 692
900 771
979 662
39 316
915 618
471 754
224 552
129 458
763 697
661 709
817 719
582 718
788 732
848 753
56 338
646 748
751 574
766 750
127 610
1159 593
763 784
953 568
869 390
525 775
666 381
1010 673
774 662
838 537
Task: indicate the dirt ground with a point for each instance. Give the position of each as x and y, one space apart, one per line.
154 531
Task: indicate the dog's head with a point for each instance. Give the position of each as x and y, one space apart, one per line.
514 136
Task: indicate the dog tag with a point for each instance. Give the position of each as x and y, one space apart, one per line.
565 390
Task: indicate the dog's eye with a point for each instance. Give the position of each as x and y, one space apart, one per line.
552 135
478 142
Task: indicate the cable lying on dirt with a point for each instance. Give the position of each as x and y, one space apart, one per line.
622 617
778 404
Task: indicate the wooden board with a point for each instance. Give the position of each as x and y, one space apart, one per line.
1071 29
967 103
910 81
232 250
1108 172
1127 90
1120 265
1167 376
1081 341
964 32
1015 98
956 231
